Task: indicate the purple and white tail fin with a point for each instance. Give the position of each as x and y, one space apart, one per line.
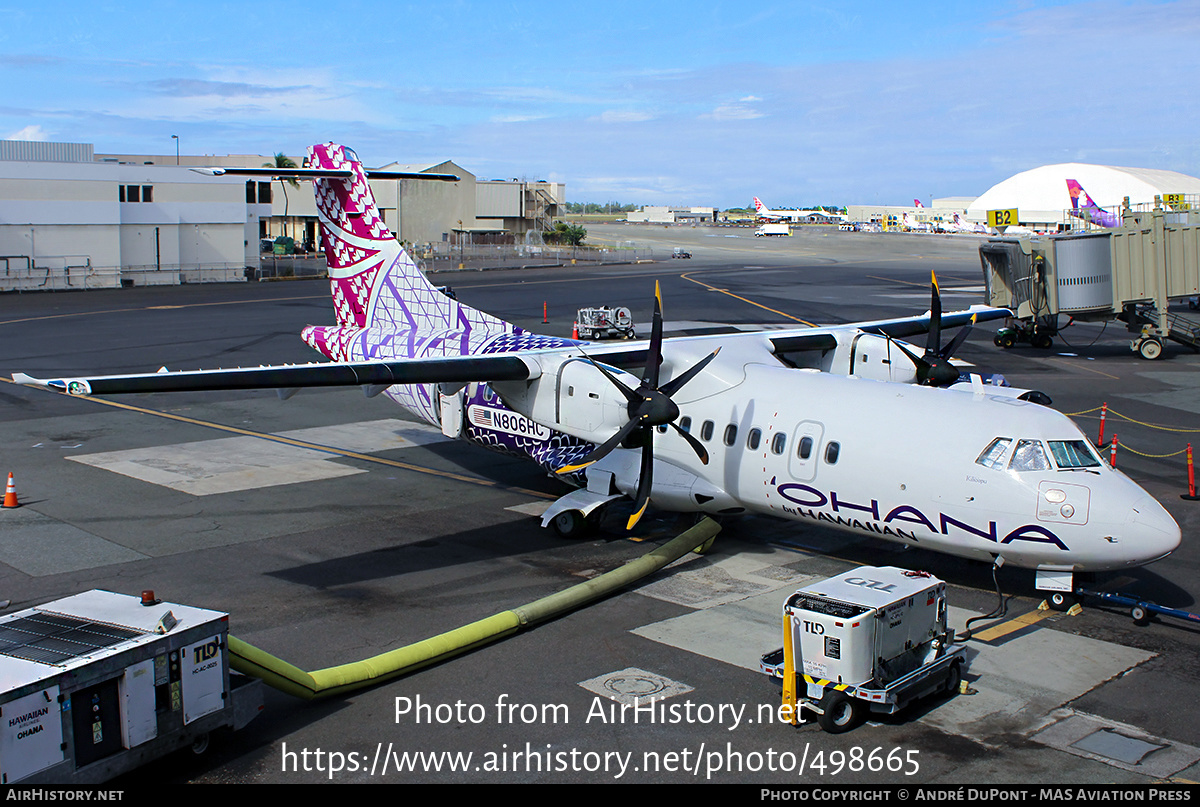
375 283
1083 206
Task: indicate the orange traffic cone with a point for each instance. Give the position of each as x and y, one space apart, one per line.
575 331
10 493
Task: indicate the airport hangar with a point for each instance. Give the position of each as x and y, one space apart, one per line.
71 218
1040 196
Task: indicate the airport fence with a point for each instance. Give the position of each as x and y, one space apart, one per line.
444 257
81 274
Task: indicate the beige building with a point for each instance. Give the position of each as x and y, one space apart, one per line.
67 221
71 218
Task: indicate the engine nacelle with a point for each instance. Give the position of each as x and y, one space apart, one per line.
574 397
877 358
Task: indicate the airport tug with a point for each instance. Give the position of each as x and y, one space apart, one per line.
871 639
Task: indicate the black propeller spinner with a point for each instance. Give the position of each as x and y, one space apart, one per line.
934 368
648 406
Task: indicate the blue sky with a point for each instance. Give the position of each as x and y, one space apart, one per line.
652 103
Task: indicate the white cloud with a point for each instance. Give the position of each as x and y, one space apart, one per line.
736 111
32 132
624 116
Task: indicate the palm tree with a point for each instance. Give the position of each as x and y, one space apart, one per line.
284 161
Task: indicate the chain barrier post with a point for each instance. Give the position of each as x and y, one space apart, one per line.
1191 494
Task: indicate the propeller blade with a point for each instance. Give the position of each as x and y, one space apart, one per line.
654 356
933 343
918 362
672 386
958 339
630 395
603 449
645 482
696 445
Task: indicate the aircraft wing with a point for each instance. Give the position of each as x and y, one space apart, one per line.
463 369
911 326
453 369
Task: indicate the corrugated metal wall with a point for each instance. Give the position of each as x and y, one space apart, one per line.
34 151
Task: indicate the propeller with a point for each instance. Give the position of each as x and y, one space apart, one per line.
649 406
933 367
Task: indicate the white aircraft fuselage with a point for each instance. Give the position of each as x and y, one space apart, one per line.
890 460
825 426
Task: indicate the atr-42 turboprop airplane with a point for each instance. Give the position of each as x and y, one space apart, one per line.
841 426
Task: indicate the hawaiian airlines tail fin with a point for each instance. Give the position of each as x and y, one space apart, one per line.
1083 207
1078 194
373 280
917 203
359 248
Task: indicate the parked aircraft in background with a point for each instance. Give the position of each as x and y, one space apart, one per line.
912 225
764 212
841 426
960 225
1083 207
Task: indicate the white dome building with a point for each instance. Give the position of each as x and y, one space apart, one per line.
1041 198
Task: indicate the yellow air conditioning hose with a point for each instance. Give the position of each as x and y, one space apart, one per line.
288 678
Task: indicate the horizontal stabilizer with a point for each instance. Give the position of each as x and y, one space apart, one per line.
321 173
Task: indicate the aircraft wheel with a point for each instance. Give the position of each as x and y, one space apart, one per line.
841 712
1150 348
1062 601
569 524
1140 615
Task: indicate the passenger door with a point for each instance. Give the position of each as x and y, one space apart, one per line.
806 449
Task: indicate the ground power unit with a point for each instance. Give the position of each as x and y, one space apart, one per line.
873 638
94 685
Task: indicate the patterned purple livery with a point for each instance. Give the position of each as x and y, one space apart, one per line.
387 309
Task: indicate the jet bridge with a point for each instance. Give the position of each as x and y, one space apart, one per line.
1129 273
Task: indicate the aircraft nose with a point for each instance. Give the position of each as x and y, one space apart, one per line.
1153 534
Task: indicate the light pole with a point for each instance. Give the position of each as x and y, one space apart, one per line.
176 139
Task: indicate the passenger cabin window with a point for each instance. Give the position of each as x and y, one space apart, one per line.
831 453
730 434
706 431
1029 456
685 423
804 450
753 439
993 455
778 442
1073 454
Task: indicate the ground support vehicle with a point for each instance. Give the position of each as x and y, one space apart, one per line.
772 229
605 323
1141 610
871 639
95 685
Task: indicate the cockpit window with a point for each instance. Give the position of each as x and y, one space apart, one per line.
1029 456
993 455
1073 454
